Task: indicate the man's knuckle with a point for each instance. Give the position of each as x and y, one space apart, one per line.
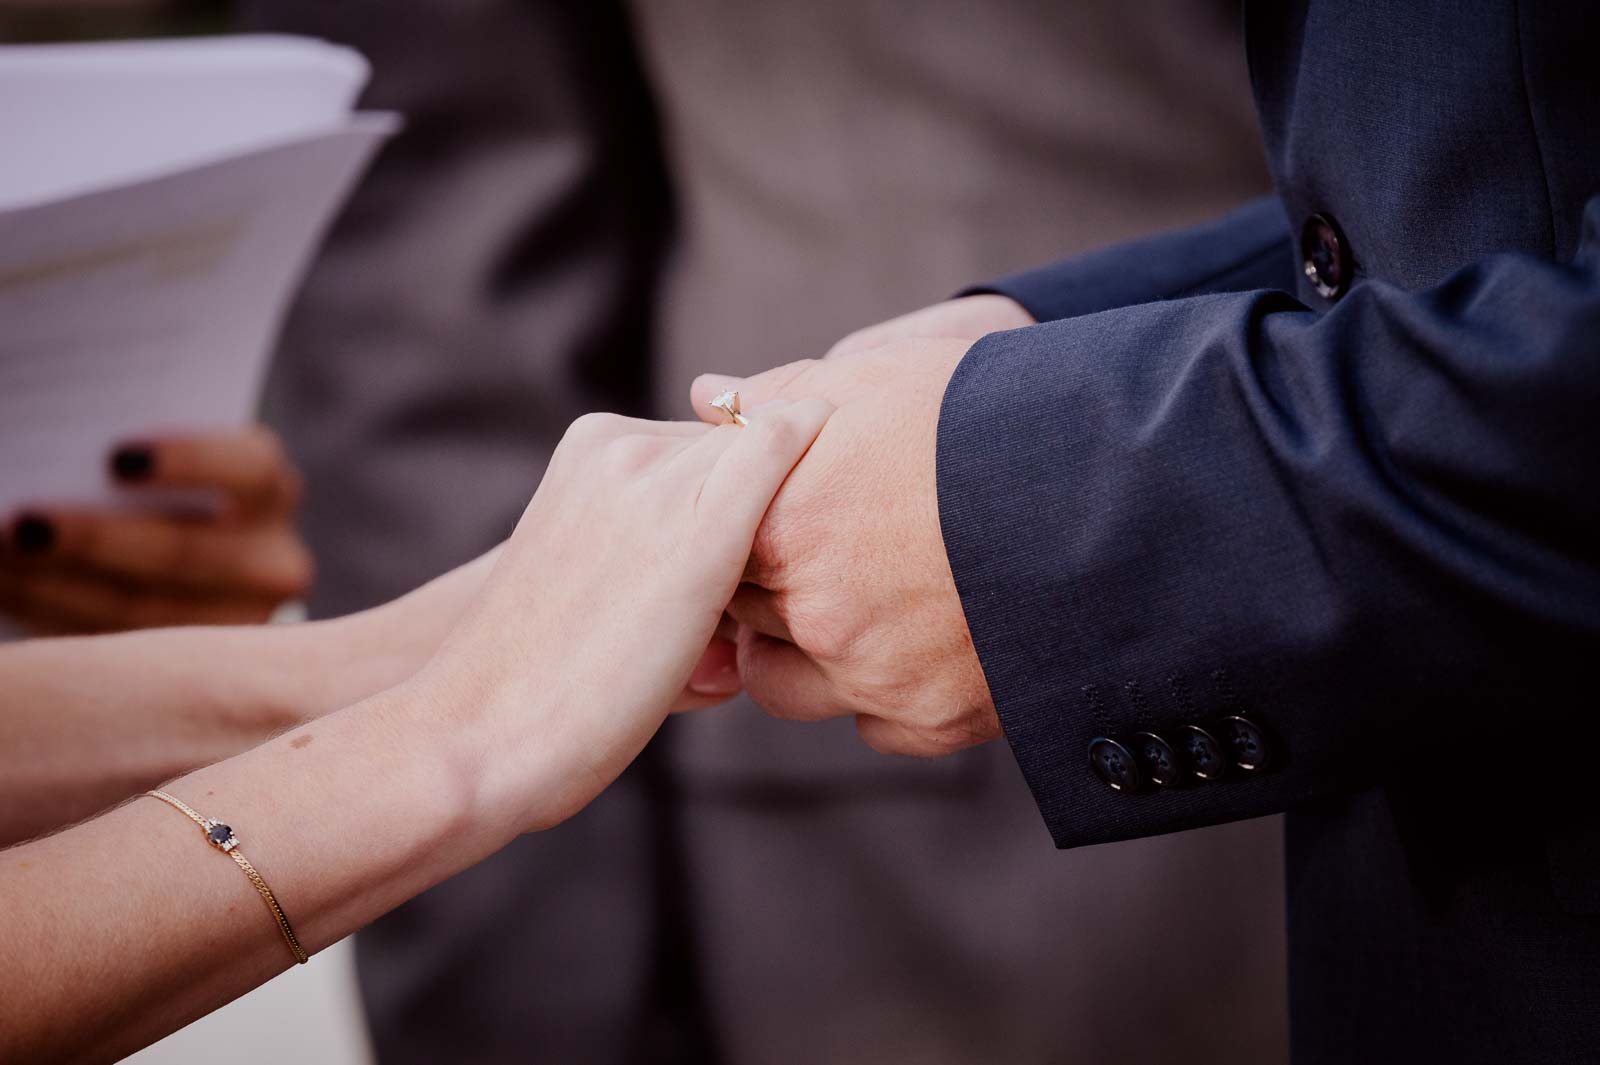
793 376
936 743
880 735
861 338
768 557
826 634
755 662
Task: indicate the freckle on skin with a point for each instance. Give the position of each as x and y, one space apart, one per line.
300 741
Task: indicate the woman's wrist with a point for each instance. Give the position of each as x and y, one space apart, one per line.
347 659
360 654
482 745
455 705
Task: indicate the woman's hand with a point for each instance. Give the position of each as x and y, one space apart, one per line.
72 570
586 629
604 600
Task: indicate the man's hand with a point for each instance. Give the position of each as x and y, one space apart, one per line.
966 318
848 605
72 570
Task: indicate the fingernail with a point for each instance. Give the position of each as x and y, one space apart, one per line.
725 681
32 534
131 463
717 672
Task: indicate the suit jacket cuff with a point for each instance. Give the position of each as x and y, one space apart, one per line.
1248 249
1101 576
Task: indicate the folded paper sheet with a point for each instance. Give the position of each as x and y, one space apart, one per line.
159 203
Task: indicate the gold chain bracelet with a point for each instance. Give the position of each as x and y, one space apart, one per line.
221 837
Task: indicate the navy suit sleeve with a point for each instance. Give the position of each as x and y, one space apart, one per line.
1248 249
1373 530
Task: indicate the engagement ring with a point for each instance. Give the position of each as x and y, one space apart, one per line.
728 403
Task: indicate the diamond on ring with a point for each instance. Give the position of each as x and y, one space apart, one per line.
728 403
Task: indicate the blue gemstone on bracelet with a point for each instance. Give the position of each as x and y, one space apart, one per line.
220 835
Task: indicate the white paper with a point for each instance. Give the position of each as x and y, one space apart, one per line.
153 307
75 118
159 203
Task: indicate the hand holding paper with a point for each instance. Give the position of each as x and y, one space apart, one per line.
66 570
159 204
167 198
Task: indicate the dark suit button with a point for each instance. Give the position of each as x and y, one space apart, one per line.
1157 758
1326 256
1246 743
1114 764
1202 751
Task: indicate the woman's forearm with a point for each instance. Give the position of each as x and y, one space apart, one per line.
125 928
552 681
90 720
87 721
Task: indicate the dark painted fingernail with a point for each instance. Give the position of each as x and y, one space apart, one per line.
133 462
33 535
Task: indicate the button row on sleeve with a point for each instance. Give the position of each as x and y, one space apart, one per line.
1192 753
